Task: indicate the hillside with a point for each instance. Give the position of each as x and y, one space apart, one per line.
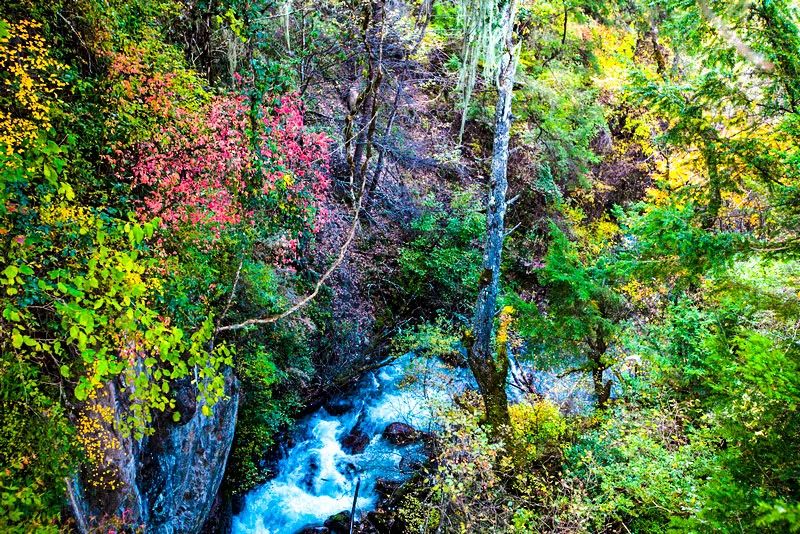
452 265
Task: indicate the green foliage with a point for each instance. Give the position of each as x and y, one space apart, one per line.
440 339
636 469
94 290
584 312
264 370
668 243
538 429
36 450
779 515
442 262
416 515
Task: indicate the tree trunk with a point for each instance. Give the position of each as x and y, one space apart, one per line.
490 369
602 390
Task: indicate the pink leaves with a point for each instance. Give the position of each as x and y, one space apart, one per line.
194 170
206 170
303 153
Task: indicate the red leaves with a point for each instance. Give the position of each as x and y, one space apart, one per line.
206 170
194 171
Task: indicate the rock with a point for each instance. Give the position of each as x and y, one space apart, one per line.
400 434
220 520
185 400
317 530
338 406
355 441
310 472
237 503
169 480
384 522
410 465
456 358
339 523
346 467
385 487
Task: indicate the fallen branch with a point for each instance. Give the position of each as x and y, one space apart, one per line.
327 274
233 291
511 231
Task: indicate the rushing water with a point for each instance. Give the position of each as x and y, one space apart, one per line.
317 477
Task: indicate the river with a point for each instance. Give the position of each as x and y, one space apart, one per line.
317 475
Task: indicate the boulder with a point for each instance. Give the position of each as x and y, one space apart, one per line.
385 487
338 406
455 358
316 530
410 465
168 481
339 523
400 434
355 441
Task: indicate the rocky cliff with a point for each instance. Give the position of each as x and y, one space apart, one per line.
166 482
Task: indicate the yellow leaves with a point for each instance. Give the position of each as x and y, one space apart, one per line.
639 292
99 441
613 57
506 319
32 77
596 236
536 427
78 217
681 170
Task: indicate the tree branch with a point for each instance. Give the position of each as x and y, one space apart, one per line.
734 40
327 274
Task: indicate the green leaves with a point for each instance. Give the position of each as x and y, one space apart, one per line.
443 262
81 390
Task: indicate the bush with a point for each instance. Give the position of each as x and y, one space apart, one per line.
538 429
441 265
439 339
636 469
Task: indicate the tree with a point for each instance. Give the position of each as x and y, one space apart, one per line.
584 313
490 368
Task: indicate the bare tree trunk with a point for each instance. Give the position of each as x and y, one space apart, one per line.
376 175
602 390
490 369
363 106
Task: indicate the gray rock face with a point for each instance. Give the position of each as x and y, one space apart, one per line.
169 480
183 466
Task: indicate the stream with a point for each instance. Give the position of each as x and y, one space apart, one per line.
317 474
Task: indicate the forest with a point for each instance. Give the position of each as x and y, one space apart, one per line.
399 266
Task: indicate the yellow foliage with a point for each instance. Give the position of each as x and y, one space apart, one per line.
613 56
506 318
71 214
537 427
98 442
31 79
